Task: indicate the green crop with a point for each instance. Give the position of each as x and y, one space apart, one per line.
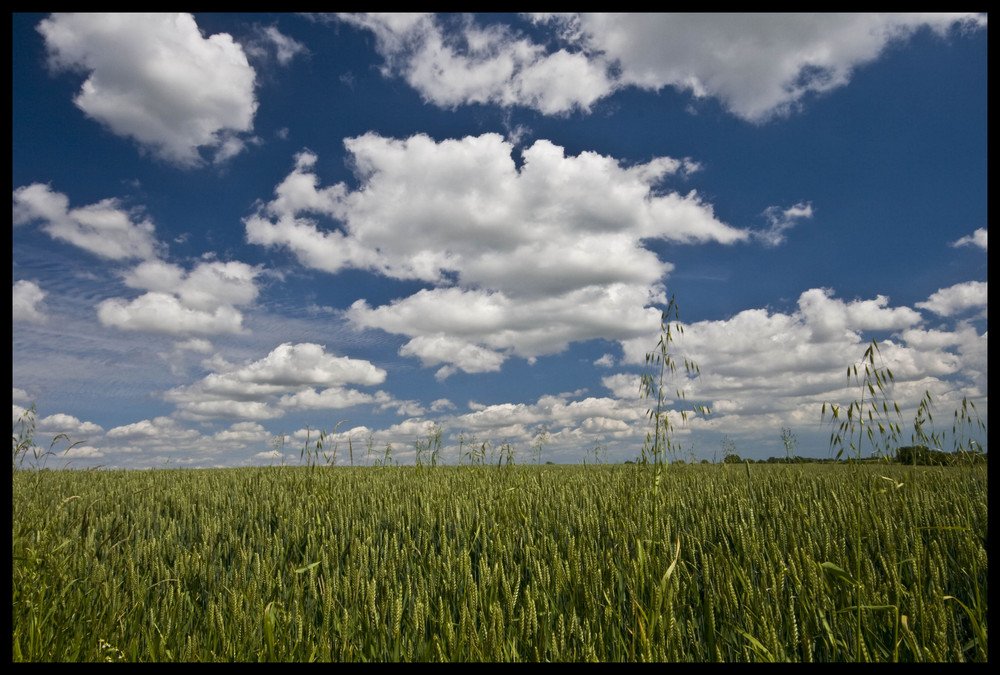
516 563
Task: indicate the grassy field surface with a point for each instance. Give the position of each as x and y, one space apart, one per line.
518 563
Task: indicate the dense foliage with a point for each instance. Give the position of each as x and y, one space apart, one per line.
513 563
924 456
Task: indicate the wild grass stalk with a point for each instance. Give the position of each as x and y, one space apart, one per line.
660 443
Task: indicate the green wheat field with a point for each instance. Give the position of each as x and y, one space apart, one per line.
723 562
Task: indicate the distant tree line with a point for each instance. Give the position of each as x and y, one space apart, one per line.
919 455
924 456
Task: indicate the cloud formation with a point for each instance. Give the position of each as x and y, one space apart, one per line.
525 259
291 371
154 78
977 238
758 66
957 298
176 302
202 301
780 220
61 423
761 369
465 63
105 229
26 302
270 40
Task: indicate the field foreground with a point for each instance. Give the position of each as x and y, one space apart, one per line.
518 563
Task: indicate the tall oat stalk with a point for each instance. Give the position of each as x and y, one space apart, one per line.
312 454
862 417
661 368
23 442
870 411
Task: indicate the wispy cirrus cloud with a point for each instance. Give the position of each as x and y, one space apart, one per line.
269 41
781 220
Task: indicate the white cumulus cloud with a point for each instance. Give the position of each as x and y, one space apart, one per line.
466 63
61 423
156 79
104 229
524 260
162 429
290 371
163 313
759 369
957 298
177 302
26 302
758 65
830 318
242 433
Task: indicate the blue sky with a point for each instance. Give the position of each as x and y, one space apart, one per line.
229 227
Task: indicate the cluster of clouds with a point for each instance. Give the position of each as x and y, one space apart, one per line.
293 376
523 251
202 301
956 299
289 371
760 370
763 367
523 259
158 80
758 66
